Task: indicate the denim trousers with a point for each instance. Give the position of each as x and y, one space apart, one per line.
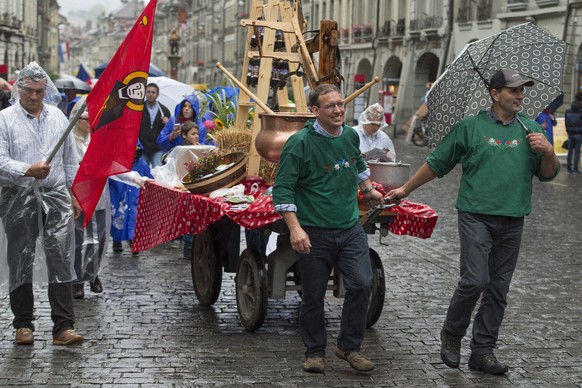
347 250
153 159
573 157
489 250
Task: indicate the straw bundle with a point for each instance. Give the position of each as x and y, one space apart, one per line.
231 140
268 171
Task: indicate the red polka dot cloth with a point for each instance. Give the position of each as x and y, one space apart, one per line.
413 219
165 213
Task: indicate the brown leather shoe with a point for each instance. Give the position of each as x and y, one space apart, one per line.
24 336
96 285
356 360
78 291
68 337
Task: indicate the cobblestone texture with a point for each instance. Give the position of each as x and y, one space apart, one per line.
147 329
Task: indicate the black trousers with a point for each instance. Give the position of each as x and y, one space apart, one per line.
60 299
26 213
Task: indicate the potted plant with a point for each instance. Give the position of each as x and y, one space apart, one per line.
367 29
202 167
214 171
345 33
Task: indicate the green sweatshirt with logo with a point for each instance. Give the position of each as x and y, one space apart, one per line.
319 175
497 161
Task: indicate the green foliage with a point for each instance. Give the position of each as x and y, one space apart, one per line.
203 166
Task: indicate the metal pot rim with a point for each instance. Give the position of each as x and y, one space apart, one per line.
393 164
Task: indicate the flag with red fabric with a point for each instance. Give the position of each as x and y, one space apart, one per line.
115 107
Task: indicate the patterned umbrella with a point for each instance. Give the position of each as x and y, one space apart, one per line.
461 90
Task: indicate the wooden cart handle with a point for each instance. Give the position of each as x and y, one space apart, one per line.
245 89
355 94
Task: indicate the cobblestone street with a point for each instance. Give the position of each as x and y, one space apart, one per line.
147 328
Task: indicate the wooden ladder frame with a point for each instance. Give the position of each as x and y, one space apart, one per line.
278 15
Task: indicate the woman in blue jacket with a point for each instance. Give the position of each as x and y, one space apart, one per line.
187 110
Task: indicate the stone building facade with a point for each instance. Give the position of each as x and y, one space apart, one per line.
406 43
28 32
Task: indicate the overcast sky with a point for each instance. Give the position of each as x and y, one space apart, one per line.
74 5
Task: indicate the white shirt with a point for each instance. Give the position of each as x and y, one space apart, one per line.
378 140
25 140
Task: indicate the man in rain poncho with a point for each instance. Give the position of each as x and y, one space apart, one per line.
35 203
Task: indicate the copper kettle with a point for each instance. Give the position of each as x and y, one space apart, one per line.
276 129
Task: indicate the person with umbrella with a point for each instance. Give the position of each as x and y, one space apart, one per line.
499 159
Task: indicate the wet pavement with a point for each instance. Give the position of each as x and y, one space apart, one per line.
147 328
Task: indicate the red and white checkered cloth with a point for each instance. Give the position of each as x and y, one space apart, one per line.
164 213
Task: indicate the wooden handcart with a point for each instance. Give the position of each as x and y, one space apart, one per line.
259 278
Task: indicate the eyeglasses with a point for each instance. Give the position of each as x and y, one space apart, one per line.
340 105
27 90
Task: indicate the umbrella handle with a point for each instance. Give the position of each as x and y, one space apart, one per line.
527 130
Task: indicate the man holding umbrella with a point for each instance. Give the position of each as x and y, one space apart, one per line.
500 150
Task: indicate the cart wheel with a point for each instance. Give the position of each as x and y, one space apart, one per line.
206 269
378 289
251 289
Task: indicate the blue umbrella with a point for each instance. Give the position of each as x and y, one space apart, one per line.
153 72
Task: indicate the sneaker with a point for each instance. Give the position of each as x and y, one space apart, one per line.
450 350
68 337
78 291
314 365
24 336
356 360
576 171
487 363
117 247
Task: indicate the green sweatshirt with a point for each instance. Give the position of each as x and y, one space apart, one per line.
498 165
319 175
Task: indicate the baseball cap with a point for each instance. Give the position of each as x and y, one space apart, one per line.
508 78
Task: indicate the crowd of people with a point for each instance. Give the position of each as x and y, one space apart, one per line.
35 201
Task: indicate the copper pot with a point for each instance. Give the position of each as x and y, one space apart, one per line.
276 129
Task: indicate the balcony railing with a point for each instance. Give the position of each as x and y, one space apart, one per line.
484 10
516 5
426 23
547 3
393 28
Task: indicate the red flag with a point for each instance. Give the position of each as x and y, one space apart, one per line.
115 107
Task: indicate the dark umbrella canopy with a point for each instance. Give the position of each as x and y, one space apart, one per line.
154 71
72 83
462 90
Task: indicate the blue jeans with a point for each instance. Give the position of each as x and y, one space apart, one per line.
346 249
489 250
574 144
153 159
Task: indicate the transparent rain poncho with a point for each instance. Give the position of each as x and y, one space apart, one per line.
37 227
380 144
91 241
